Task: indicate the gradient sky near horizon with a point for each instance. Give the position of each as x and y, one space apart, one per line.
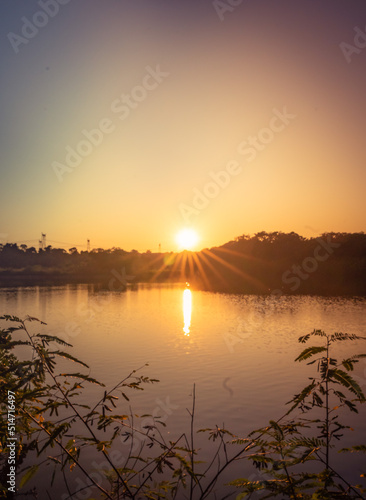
225 77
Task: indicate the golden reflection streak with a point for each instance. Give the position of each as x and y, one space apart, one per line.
187 311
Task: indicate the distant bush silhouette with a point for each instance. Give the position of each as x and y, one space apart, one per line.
331 264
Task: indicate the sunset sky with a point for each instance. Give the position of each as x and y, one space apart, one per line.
272 93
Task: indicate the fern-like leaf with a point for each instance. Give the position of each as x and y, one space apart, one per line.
347 381
309 352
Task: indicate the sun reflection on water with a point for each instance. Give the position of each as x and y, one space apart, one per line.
187 310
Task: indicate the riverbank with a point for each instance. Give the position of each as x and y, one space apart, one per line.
267 263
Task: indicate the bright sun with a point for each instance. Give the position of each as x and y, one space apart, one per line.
187 239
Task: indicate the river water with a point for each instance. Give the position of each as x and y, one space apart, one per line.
238 350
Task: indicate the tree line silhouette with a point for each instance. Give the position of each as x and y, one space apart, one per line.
329 264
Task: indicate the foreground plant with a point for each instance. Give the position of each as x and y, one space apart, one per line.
61 432
281 449
53 424
42 393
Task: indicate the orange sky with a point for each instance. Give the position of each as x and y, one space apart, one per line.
134 121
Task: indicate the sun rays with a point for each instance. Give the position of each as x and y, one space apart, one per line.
207 269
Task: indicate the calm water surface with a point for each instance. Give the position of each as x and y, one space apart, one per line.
238 350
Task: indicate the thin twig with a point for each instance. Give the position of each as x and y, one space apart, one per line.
157 465
340 477
192 440
66 398
67 452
